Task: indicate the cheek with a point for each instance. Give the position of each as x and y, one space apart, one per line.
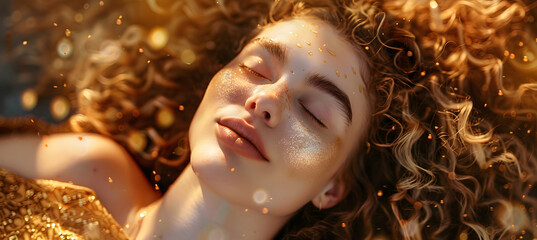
226 86
306 154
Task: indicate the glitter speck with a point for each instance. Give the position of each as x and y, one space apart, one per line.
337 73
158 38
409 53
67 32
181 107
89 36
525 59
101 3
55 24
142 214
380 193
291 71
110 180
310 53
232 170
500 93
140 50
299 45
265 211
24 43
28 99
331 53
422 73
366 47
309 43
343 225
80 138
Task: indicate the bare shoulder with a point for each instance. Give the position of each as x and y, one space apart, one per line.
89 160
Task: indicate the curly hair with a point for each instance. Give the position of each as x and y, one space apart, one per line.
453 128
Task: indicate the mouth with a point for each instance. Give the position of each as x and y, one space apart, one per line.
241 137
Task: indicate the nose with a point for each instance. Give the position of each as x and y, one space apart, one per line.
266 105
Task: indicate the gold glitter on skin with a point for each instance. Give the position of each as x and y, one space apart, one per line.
344 75
331 53
320 50
299 45
353 71
309 43
310 53
291 71
337 73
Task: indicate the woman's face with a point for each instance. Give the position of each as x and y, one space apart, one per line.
278 122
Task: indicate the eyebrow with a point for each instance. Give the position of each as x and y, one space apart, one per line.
327 86
278 50
274 48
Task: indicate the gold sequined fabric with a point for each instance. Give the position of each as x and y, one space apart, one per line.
46 209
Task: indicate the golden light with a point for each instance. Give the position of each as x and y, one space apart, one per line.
64 48
260 196
79 17
137 141
59 107
188 56
158 38
165 118
28 99
512 216
433 4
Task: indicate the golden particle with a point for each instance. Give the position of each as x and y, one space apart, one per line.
310 53
46 145
232 170
343 225
409 54
31 120
320 50
299 45
337 73
430 136
525 59
314 31
80 138
512 56
491 209
520 44
140 50
465 215
308 43
24 43
55 24
485 105
265 210
118 21
148 61
110 180
437 64
67 32
246 210
506 53
380 193
89 36
188 56
432 4
158 38
442 201
331 53
154 154
452 175
55 86
157 178
418 205
500 93
353 71
101 3
157 187
291 71
28 99
366 47
165 118
181 107
435 127
79 18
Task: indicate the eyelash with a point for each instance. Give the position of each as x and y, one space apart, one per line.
313 116
251 71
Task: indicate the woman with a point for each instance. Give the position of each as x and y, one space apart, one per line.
285 123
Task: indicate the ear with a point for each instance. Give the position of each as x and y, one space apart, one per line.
331 195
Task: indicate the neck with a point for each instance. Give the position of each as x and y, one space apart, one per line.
191 210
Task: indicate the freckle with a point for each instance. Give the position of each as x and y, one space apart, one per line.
291 71
331 53
337 73
310 53
345 75
309 44
320 50
299 45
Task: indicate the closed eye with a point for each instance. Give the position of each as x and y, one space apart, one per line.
242 66
311 115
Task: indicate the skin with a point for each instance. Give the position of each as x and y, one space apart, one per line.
224 194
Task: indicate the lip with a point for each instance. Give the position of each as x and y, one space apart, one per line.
241 137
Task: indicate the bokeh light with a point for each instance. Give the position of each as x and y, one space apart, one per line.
59 107
188 56
158 38
28 99
65 48
260 196
165 118
137 141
